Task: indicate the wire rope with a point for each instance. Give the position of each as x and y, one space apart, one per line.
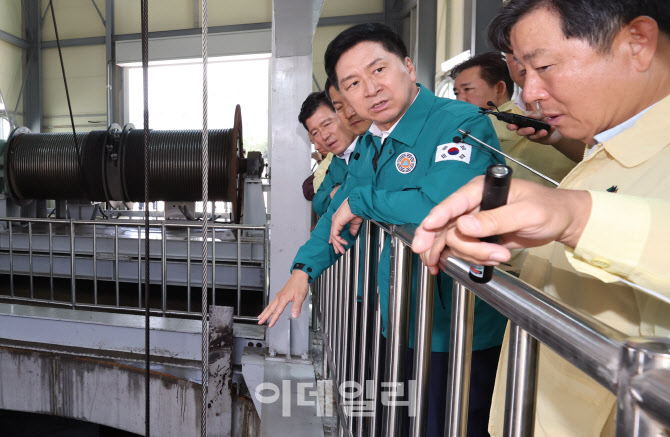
67 90
145 75
205 195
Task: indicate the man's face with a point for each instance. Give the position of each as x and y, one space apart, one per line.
317 145
581 91
377 83
470 87
346 113
326 130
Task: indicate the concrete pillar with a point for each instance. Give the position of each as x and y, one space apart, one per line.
111 61
477 16
426 28
293 25
32 63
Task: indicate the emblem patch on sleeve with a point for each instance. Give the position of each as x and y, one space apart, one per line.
405 162
453 152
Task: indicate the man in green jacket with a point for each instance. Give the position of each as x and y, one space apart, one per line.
337 170
403 166
326 130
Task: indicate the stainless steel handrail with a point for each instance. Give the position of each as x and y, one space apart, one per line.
568 333
651 392
636 370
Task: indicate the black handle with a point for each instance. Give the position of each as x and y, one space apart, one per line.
496 189
522 121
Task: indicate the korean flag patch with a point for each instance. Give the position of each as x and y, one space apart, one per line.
453 152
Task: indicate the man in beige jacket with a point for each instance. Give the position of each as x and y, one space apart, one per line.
486 78
600 72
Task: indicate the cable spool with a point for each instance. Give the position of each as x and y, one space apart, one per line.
43 166
175 172
46 166
92 155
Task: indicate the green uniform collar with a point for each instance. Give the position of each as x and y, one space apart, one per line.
411 124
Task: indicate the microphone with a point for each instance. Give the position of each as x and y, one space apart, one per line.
519 120
496 189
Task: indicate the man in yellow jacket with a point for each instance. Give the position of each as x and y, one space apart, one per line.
601 74
486 78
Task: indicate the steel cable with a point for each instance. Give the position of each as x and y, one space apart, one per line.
92 158
46 166
175 172
62 66
205 200
145 76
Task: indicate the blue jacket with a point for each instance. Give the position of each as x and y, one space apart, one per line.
399 182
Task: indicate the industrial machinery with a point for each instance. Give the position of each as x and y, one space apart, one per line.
82 257
109 166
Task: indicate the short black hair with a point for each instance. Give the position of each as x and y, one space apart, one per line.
493 69
373 32
311 104
595 21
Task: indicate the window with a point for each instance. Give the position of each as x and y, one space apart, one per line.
175 100
5 126
175 95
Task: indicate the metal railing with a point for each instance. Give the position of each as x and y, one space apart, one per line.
637 371
93 250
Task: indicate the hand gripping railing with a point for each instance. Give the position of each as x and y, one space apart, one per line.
636 370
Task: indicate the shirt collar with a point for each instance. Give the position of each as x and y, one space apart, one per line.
347 153
383 134
625 145
374 129
509 106
616 130
412 121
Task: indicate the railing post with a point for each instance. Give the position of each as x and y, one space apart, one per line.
325 322
460 354
266 265
367 313
73 265
638 355
422 349
10 225
338 324
51 265
344 357
331 317
377 363
355 261
397 332
316 304
521 383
